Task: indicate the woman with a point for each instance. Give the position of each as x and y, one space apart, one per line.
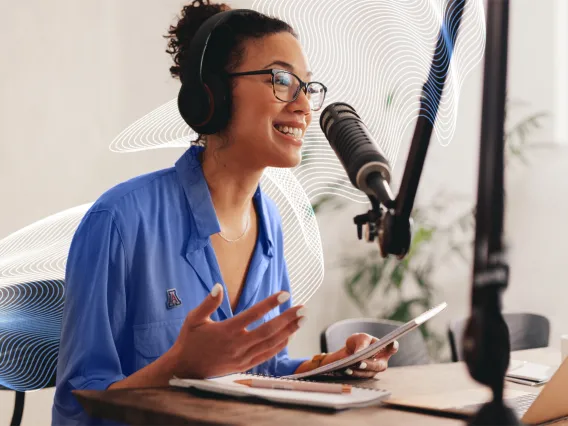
182 272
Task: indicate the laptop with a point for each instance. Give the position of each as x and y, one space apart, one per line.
532 408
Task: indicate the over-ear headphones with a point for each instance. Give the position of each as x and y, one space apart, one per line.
204 102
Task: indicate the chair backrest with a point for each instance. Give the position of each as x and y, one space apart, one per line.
412 346
30 326
526 331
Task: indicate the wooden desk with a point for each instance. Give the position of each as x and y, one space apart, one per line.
178 406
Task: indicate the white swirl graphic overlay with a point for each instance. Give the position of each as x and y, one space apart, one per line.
39 251
374 55
302 241
30 324
32 268
160 128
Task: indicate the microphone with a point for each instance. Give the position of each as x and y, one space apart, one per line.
365 164
370 172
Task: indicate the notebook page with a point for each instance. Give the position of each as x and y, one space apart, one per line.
357 397
532 371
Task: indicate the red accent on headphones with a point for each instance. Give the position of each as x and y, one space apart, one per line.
211 106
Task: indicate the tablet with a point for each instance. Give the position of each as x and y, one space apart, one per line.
371 350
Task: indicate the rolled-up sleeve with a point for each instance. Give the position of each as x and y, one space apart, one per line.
93 316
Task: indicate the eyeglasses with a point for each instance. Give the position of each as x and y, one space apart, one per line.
286 86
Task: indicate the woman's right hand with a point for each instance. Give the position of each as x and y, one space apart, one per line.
206 348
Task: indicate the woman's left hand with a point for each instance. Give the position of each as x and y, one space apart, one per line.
369 367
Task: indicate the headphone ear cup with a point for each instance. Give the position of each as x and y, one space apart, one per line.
206 111
194 105
221 97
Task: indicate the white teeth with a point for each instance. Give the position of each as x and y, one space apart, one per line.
294 131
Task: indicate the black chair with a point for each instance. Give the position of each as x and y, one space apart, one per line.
526 331
30 326
412 346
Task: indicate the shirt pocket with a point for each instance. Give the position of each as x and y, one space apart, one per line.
154 339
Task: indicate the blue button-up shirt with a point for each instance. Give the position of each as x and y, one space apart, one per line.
140 260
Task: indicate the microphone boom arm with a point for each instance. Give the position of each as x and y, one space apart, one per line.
392 224
429 104
486 342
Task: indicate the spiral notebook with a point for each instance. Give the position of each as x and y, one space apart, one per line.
359 397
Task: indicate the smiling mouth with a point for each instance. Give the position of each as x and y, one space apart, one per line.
292 140
293 132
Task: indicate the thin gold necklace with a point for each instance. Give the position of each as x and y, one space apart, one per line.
242 235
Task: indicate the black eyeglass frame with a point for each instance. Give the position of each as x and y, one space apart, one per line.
273 71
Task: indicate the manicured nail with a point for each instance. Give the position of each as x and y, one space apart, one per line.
349 372
302 321
395 345
215 290
302 312
282 297
363 365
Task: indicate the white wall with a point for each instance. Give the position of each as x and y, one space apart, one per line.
561 68
74 74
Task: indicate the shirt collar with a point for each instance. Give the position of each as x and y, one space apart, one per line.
264 221
196 191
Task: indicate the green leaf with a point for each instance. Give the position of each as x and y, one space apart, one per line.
377 270
323 200
351 287
397 275
421 280
403 311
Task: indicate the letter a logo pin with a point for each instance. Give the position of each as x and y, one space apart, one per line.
173 299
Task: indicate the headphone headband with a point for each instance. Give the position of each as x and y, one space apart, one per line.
204 105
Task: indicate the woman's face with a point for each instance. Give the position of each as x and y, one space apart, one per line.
254 139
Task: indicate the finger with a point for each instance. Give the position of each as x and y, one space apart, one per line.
275 325
367 341
372 365
274 341
202 313
391 348
388 351
359 374
357 342
266 355
256 312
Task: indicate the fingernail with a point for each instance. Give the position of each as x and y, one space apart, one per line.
302 312
382 365
282 297
395 345
363 365
349 372
215 290
302 321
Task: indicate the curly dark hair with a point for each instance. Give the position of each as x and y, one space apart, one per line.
224 52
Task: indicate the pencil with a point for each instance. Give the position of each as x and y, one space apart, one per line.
296 385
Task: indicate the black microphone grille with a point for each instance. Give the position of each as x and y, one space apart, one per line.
333 113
